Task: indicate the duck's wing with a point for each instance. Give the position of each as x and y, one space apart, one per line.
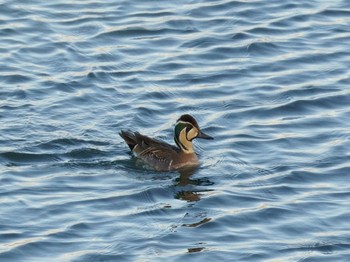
153 151
141 144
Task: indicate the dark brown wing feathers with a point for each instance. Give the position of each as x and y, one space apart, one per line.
129 138
144 142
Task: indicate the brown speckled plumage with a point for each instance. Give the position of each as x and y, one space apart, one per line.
162 156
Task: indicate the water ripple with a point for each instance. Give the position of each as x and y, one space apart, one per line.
268 79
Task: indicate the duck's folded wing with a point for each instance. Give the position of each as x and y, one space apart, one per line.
157 157
145 142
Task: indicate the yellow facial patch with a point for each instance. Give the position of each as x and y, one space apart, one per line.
185 144
192 134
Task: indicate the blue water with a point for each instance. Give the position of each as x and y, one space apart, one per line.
270 80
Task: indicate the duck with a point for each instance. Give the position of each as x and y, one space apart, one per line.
162 156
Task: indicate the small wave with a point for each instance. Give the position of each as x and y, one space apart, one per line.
268 79
21 157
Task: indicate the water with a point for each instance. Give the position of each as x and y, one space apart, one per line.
268 79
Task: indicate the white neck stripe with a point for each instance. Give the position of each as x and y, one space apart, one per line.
184 122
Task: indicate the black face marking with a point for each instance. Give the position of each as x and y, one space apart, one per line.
179 144
181 126
178 129
188 129
186 123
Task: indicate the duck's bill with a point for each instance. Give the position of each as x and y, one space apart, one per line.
204 136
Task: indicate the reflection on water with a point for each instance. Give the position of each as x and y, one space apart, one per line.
203 221
195 249
185 185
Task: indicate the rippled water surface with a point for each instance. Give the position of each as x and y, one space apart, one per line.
270 80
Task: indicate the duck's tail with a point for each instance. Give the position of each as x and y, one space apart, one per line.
129 137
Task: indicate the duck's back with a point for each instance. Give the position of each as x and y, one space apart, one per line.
155 153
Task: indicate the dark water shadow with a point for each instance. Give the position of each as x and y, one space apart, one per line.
185 184
188 188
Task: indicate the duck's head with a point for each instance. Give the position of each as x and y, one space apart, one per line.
187 129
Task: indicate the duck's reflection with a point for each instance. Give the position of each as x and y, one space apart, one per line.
188 196
185 184
191 190
203 221
195 249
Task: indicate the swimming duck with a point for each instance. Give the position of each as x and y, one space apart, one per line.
162 156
